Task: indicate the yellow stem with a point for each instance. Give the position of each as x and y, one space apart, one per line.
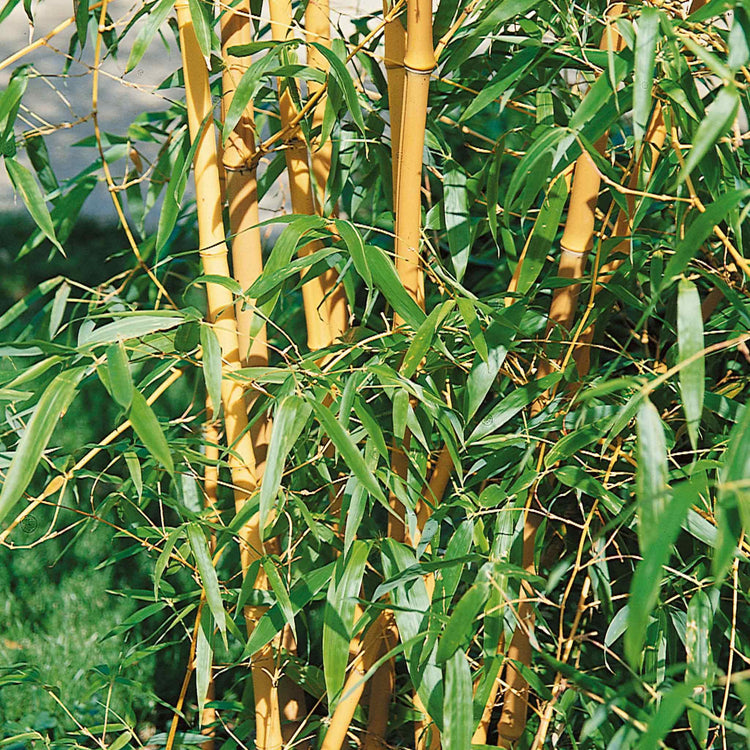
301 188
221 313
395 45
318 30
419 61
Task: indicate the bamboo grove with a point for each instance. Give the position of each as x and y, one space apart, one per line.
449 451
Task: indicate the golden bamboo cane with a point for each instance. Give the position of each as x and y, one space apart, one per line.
318 30
221 313
301 189
395 45
419 62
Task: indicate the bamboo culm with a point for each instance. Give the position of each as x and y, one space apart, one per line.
214 255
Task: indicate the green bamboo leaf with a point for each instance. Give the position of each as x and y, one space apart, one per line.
456 214
338 617
387 281
356 247
148 429
652 489
36 149
461 625
199 13
700 665
24 182
458 703
204 656
53 403
81 12
211 366
411 609
58 308
118 367
512 404
670 708
344 81
154 19
733 497
508 77
719 118
249 86
422 340
209 579
280 592
273 621
346 447
646 583
690 344
469 316
131 326
289 420
543 235
11 101
23 305
643 76
134 469
484 373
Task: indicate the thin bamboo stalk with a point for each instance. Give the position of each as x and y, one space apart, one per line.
242 196
381 690
301 189
318 30
221 312
419 62
395 46
575 243
655 136
354 686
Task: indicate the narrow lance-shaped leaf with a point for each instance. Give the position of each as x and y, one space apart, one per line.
646 584
154 19
699 660
53 403
148 429
211 366
690 345
120 380
643 78
25 184
289 420
349 451
203 661
457 219
457 703
651 475
698 232
733 497
338 616
201 24
209 579
719 117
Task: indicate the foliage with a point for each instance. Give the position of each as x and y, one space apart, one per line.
636 466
